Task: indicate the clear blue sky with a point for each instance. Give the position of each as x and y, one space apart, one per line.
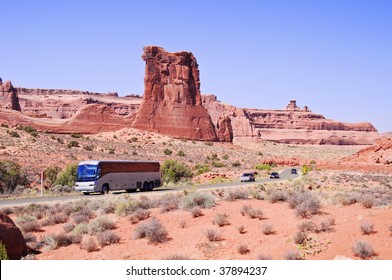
334 56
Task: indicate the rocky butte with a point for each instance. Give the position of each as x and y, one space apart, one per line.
172 102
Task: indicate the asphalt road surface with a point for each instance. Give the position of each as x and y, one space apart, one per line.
284 175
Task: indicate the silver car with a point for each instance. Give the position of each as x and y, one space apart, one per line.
248 177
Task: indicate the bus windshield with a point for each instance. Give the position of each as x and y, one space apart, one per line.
86 173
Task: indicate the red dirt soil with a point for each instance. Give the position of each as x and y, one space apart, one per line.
191 241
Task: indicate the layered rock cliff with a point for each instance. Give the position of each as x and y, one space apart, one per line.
172 101
291 125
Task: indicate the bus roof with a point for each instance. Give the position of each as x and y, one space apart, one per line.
96 162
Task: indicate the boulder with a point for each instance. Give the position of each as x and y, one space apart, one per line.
172 102
12 238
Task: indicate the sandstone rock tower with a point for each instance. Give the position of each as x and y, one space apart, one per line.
172 102
8 96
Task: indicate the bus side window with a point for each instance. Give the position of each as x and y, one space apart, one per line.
98 173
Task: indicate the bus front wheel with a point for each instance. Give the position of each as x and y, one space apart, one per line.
105 189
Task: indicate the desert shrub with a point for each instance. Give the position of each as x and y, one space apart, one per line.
107 237
76 135
108 207
305 169
54 241
182 223
262 166
367 228
277 196
126 207
256 194
307 226
196 212
51 173
363 250
13 133
202 168
268 229
367 201
58 218
245 209
221 219
73 144
80 229
352 199
111 151
264 257
181 153
326 225
89 147
90 245
139 215
254 213
167 152
82 215
176 257
11 176
3 252
390 228
198 199
236 194
300 237
76 239
7 210
153 230
209 143
169 202
100 224
217 164
241 229
68 227
236 164
213 235
174 171
67 176
243 249
304 203
292 255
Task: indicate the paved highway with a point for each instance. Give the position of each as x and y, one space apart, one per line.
284 175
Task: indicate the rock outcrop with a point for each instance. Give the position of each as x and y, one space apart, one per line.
92 118
63 104
292 125
172 102
379 153
12 238
8 96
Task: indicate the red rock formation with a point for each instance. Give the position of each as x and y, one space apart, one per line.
379 153
8 96
12 238
291 126
92 118
224 130
63 104
172 101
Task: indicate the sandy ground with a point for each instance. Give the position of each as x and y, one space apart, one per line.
191 241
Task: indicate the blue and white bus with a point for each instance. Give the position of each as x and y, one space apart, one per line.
109 175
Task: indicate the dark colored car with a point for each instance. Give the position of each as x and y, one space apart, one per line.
293 171
274 175
248 177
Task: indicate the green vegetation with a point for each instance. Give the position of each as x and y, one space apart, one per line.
3 252
167 152
263 166
174 171
305 169
67 177
72 144
202 168
181 153
11 176
51 173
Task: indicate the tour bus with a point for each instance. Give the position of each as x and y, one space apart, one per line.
113 175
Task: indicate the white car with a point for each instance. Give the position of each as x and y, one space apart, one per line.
248 177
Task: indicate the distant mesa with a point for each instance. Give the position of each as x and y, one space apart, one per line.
173 105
